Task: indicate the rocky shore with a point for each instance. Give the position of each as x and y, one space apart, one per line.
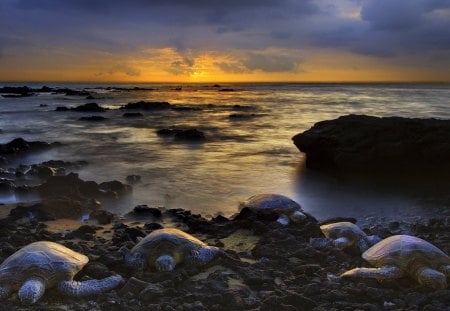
269 267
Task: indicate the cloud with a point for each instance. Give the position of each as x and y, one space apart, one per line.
121 69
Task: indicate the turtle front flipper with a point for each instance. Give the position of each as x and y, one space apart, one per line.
432 278
90 287
383 273
32 290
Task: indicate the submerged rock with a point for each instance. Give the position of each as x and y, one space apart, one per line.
132 115
144 105
90 107
182 134
93 118
366 144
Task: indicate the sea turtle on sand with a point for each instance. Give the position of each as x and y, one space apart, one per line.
405 255
163 249
42 265
345 234
270 204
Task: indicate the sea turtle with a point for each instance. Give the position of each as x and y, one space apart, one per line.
163 249
345 234
42 265
405 255
275 204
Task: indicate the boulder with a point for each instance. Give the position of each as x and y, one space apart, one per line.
20 145
90 107
366 144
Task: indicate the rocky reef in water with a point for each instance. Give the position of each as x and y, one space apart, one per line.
270 266
366 144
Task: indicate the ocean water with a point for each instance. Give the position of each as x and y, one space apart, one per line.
240 158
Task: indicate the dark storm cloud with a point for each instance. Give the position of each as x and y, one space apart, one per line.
383 28
390 27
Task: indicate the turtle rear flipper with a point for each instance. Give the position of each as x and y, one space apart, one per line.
32 290
90 287
432 278
383 273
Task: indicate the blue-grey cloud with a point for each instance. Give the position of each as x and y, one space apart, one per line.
384 28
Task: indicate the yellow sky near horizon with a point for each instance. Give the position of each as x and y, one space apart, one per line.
169 65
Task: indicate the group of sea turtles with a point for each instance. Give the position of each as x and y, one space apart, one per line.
43 265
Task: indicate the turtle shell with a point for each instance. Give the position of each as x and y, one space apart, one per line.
342 229
168 241
50 261
405 252
271 203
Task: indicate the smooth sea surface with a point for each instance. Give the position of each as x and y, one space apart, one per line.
240 158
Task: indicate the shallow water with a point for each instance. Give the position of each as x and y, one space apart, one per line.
240 157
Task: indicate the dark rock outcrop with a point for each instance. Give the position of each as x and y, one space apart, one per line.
20 145
93 118
90 107
366 144
132 115
144 105
192 135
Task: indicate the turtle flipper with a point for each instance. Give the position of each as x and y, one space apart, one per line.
31 290
90 287
383 273
342 243
432 278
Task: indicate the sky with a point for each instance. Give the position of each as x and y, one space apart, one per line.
224 40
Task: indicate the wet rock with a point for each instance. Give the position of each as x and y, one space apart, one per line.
151 292
133 179
102 217
116 187
146 210
133 286
62 108
132 115
44 172
93 118
96 270
7 186
242 116
337 219
20 145
365 144
182 134
227 90
144 105
90 107
152 226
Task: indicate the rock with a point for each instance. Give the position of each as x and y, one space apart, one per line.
227 90
144 105
62 108
151 292
93 118
146 210
190 135
7 186
153 226
96 270
132 115
133 179
133 286
102 217
44 172
90 107
90 97
182 134
242 116
337 219
20 145
116 187
364 144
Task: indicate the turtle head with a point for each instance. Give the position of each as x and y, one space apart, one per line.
432 279
297 216
165 263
